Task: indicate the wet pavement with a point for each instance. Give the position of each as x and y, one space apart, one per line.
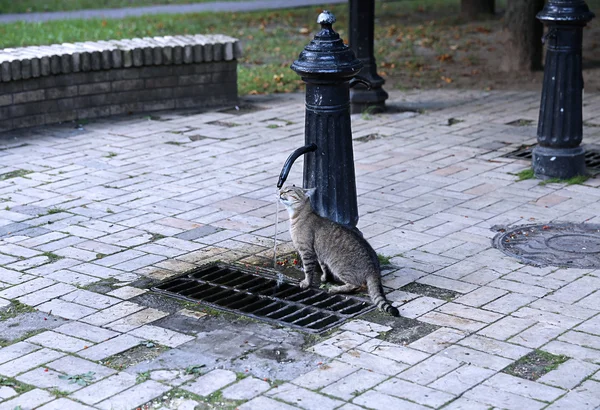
92 215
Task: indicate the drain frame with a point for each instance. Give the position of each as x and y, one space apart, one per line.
243 291
592 155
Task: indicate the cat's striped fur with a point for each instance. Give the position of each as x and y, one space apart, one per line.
338 250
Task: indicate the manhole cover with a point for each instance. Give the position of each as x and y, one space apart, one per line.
564 245
592 155
257 294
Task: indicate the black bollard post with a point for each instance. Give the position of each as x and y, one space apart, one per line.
558 153
327 66
362 35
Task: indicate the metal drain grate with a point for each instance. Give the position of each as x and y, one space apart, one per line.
592 155
257 294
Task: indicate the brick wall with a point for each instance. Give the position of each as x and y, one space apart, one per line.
44 85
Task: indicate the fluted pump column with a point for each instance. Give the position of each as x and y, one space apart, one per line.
560 131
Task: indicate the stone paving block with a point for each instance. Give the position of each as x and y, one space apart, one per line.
480 315
16 350
547 317
501 399
372 362
112 313
134 396
30 400
495 347
76 365
522 387
354 384
591 326
460 323
393 351
7 392
466 404
160 335
574 351
509 303
429 370
563 309
590 302
438 340
506 327
136 320
210 382
110 347
72 278
586 396
29 361
445 283
338 344
16 291
126 292
303 398
365 328
13 277
46 294
64 404
59 341
264 403
47 378
379 401
246 389
85 331
475 357
537 335
171 377
414 392
64 309
462 379
419 306
324 375
576 290
90 299
104 389
481 296
581 339
569 374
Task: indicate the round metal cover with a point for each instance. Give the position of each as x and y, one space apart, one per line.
563 245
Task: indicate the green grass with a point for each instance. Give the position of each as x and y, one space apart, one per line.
28 6
52 256
525 174
579 179
14 174
272 40
383 260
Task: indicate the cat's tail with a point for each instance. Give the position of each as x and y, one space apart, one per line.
377 296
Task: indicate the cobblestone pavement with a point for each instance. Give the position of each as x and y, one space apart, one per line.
119 13
90 215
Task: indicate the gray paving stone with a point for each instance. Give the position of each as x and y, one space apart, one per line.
506 327
29 361
32 399
75 365
28 287
574 351
210 382
264 403
134 396
90 299
324 375
501 399
85 331
46 379
393 351
376 400
365 328
64 309
584 397
438 340
246 389
430 369
64 404
522 387
537 335
16 350
303 398
354 384
460 323
475 357
509 303
495 347
372 362
46 294
569 374
414 393
338 344
462 379
110 347
112 313
104 389
466 404
160 335
59 341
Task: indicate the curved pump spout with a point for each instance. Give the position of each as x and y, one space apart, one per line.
288 163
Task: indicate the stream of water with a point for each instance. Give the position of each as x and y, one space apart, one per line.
279 274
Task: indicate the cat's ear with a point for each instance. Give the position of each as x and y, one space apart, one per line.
310 192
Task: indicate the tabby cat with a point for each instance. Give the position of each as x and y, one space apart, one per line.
339 251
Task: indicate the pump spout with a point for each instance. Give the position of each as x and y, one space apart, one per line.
288 163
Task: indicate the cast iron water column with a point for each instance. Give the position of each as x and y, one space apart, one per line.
328 66
558 153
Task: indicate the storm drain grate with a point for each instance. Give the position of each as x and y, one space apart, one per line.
592 155
258 295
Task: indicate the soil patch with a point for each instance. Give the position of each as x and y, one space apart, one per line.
535 365
145 352
404 330
431 291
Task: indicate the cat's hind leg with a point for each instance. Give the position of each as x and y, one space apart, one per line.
347 288
326 272
309 261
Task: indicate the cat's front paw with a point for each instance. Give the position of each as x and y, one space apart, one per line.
304 284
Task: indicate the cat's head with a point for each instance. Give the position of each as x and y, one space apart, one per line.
294 197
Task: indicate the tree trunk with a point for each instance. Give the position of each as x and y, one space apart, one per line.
524 47
473 8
